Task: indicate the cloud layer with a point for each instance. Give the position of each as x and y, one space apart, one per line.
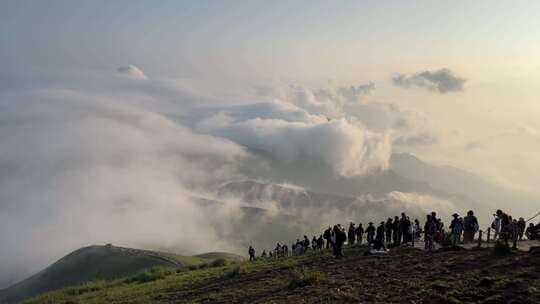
441 81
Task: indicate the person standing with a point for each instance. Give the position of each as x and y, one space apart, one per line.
389 228
370 231
328 237
351 234
521 228
395 230
430 228
470 226
359 233
381 231
456 227
251 252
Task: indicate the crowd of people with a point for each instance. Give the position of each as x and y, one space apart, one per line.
402 231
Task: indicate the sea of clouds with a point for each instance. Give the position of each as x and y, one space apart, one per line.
118 157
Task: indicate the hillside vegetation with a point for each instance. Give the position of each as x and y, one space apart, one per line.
102 263
402 276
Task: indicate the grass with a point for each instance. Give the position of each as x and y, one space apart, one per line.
445 277
146 286
302 277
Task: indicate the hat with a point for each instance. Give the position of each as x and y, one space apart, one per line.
455 215
370 223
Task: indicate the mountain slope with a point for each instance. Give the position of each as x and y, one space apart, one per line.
98 263
460 182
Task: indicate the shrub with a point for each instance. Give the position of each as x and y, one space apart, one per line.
302 277
151 274
203 266
234 272
218 263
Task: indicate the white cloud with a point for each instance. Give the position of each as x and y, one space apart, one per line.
442 81
348 148
131 71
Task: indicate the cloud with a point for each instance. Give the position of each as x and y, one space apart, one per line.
442 81
416 139
131 71
348 148
80 169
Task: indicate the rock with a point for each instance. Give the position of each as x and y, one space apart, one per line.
535 251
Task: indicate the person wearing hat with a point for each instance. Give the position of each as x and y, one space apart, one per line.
370 231
456 228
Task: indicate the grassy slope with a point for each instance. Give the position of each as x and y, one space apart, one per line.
96 263
403 276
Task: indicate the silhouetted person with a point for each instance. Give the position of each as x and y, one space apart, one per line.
327 235
314 243
395 230
306 243
370 231
377 245
532 232
521 228
381 231
417 229
340 238
389 228
470 226
504 222
320 243
404 226
359 233
430 228
251 252
351 236
263 254
456 227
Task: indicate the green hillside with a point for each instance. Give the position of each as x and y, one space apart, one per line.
402 276
101 263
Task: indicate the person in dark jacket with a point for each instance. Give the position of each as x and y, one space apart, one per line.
327 235
351 236
359 233
370 231
470 226
404 225
251 252
395 230
381 231
521 228
532 232
430 228
320 243
341 237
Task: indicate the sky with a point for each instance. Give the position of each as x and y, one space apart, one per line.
169 95
494 45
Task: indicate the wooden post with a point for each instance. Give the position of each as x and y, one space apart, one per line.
488 234
479 238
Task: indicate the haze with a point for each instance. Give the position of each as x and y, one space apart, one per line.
117 117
